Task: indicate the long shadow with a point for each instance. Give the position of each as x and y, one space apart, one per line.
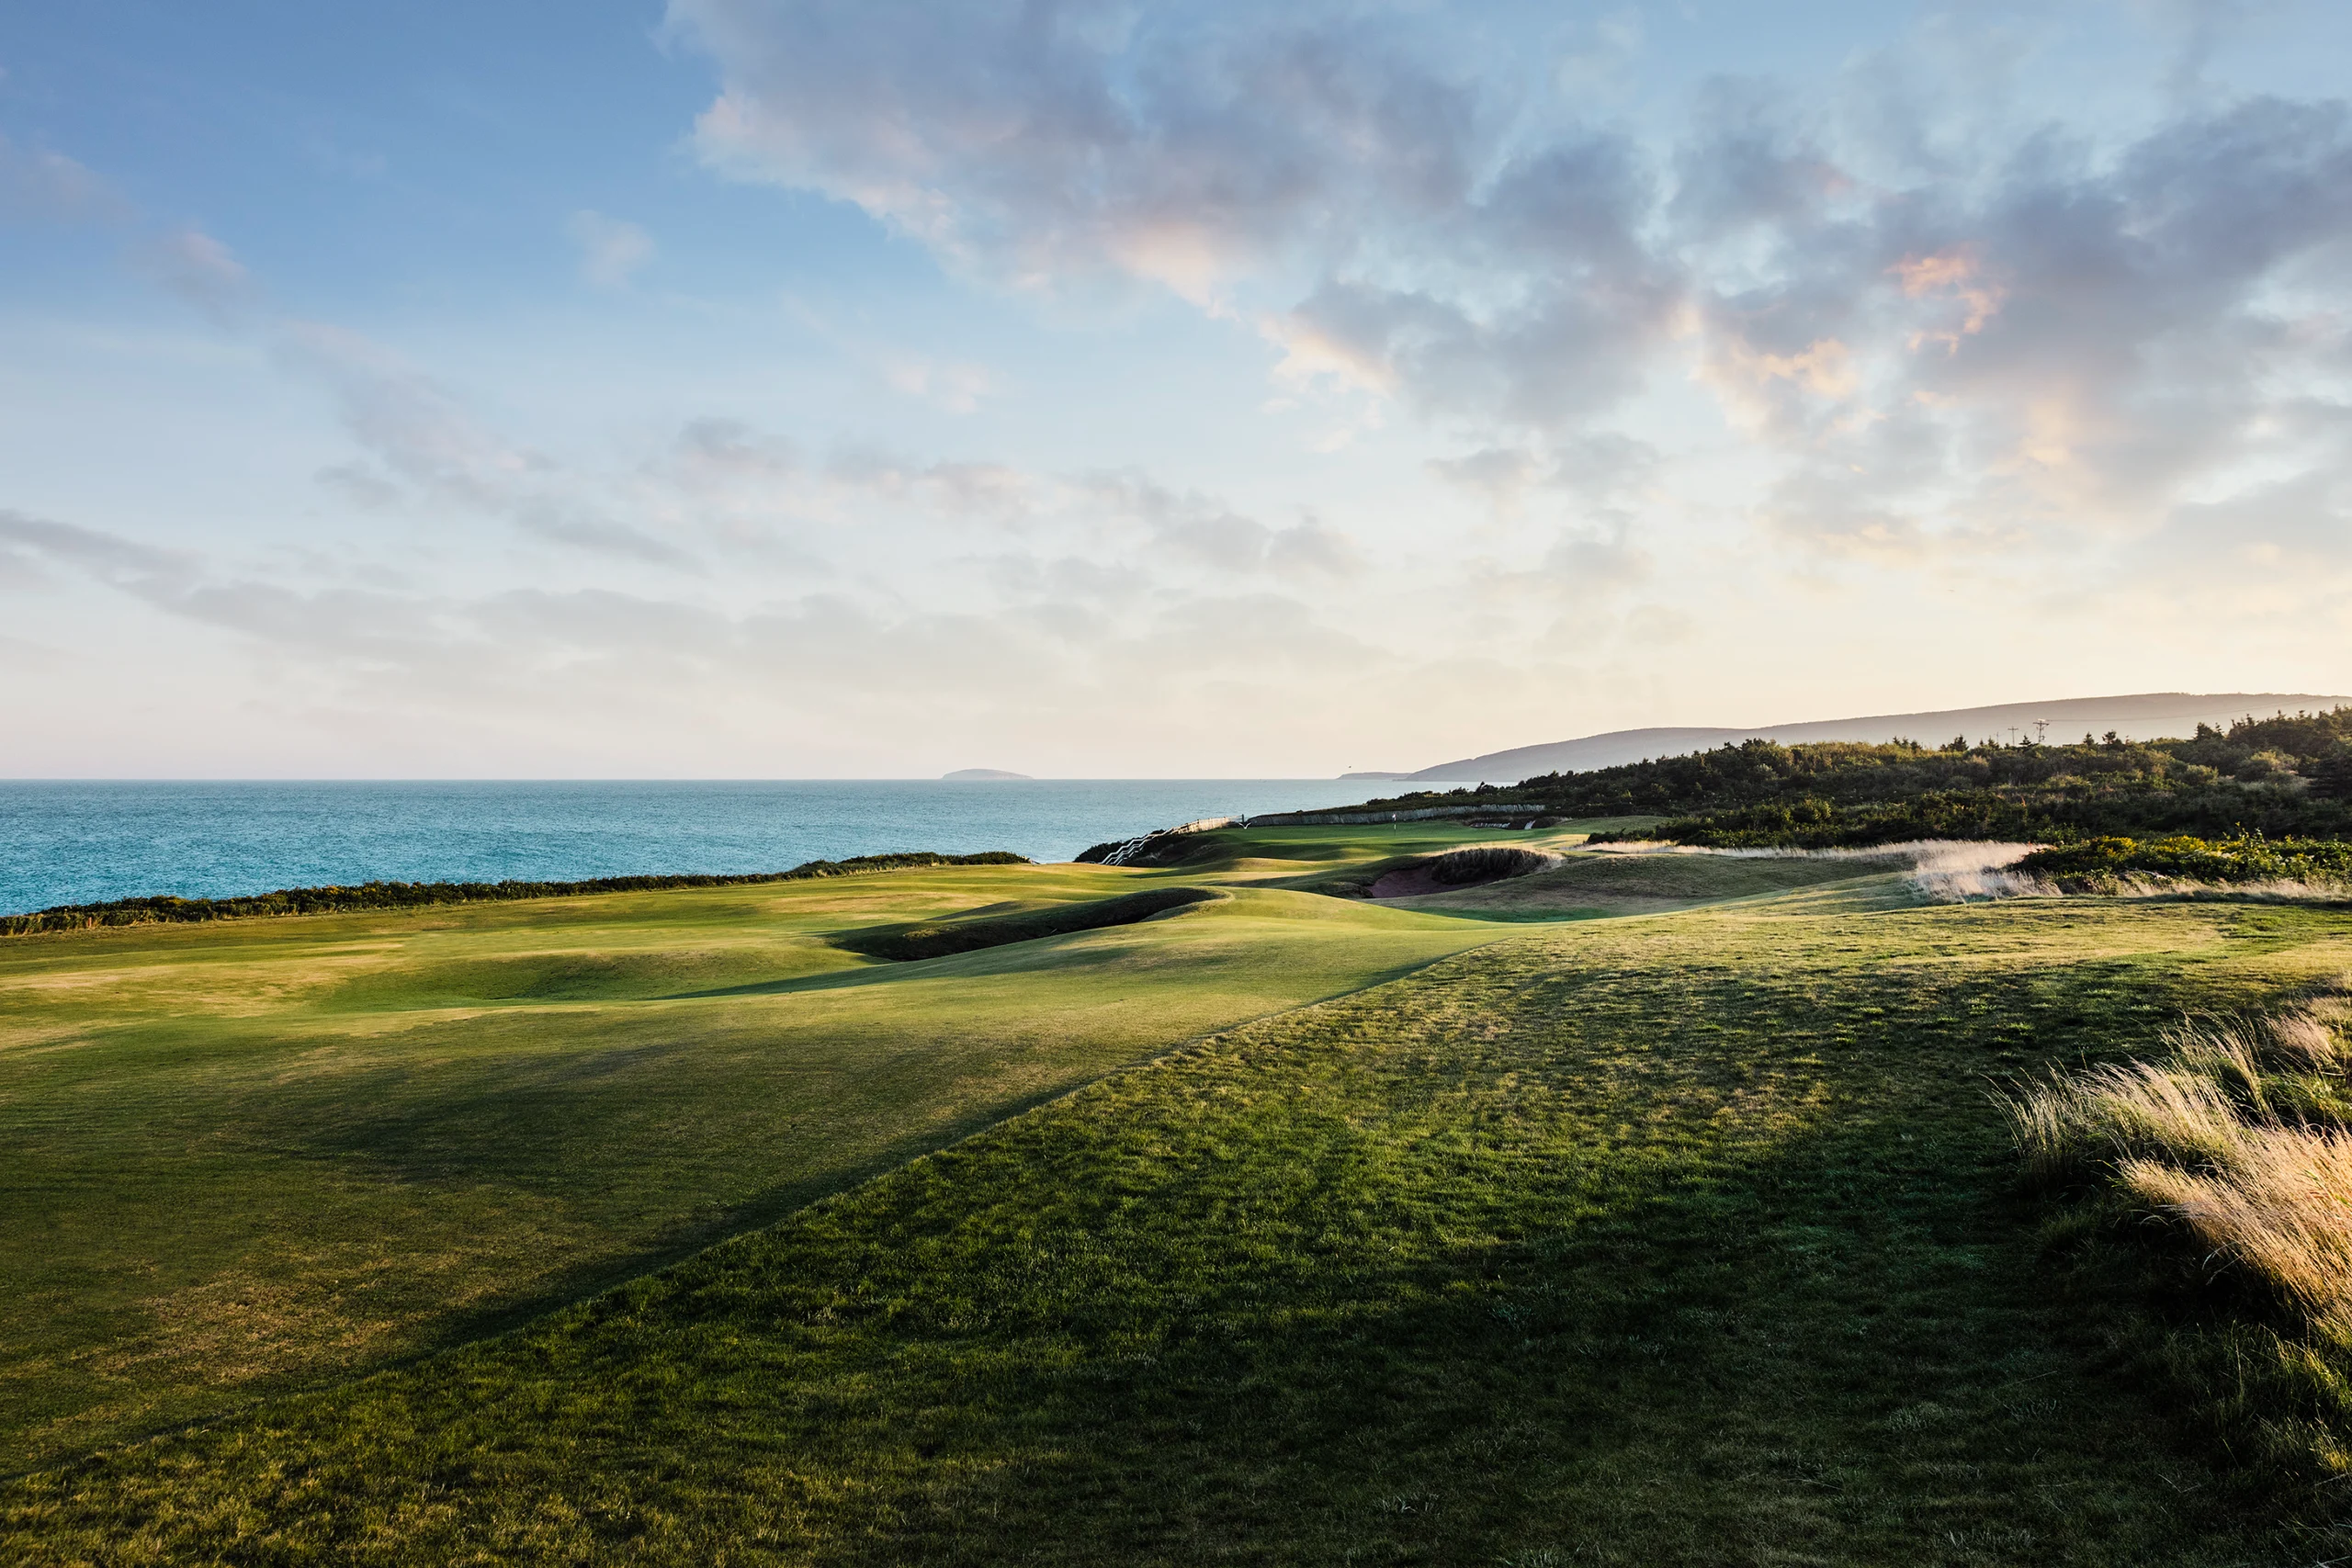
1253 1323
1005 958
1834 1344
883 972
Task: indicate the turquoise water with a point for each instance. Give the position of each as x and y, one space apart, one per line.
72 842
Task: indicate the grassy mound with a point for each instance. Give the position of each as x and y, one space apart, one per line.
1664 1242
942 939
1638 884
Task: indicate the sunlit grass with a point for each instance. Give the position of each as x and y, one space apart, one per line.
245 1156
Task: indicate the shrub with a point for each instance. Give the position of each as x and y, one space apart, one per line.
2110 863
2331 772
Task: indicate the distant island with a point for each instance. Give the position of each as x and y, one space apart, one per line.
981 774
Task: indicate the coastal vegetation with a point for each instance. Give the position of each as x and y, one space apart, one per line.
2111 864
413 894
2280 776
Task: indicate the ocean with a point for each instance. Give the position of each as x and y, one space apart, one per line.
81 843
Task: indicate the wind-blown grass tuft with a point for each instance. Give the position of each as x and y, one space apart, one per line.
2238 1138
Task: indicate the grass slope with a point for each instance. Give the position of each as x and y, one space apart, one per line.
1690 1240
999 926
1605 884
245 1156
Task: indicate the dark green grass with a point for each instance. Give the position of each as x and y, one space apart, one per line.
992 927
1688 1240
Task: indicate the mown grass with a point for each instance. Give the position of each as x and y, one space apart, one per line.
1680 1240
247 1155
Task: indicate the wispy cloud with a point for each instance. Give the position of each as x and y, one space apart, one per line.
38 185
612 250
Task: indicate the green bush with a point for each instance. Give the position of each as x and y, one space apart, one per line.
2330 773
2093 865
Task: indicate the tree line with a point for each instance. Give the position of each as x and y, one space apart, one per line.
2282 775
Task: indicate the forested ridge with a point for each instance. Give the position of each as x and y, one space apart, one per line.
2282 775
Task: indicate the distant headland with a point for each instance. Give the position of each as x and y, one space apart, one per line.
981 774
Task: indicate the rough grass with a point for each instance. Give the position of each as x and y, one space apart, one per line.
2228 1151
1654 1242
247 1155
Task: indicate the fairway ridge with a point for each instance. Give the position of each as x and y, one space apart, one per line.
1689 1239
988 928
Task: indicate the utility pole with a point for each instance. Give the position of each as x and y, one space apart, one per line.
2041 731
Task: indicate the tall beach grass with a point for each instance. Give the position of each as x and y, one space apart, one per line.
2228 1149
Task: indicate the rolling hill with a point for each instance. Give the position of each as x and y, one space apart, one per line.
2145 716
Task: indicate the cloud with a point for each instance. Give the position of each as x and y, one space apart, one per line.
1745 162
1040 142
1595 562
416 434
1595 470
957 386
1942 319
144 569
960 488
38 185
1501 475
1189 529
712 452
1901 327
801 674
2298 525
201 271
612 250
421 436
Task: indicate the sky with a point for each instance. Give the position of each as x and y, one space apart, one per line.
803 389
